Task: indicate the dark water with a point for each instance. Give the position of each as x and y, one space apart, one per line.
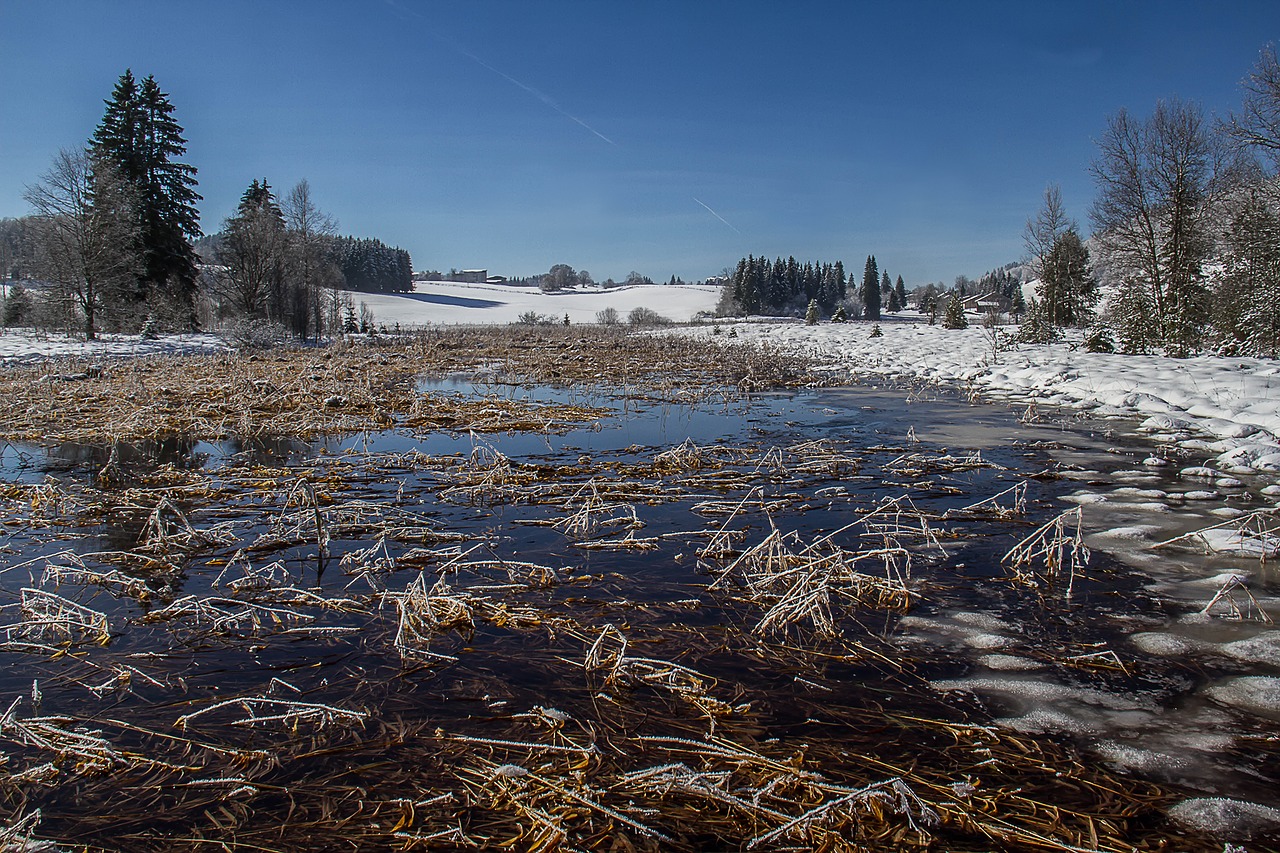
1035 659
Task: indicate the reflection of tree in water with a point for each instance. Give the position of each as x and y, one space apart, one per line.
134 456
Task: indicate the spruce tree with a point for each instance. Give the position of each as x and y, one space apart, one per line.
139 136
901 290
1247 303
954 317
1067 287
870 292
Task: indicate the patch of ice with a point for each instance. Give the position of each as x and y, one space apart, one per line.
1166 645
1228 483
1142 760
1085 498
1009 663
1137 532
1198 472
1134 491
1254 694
979 640
1155 461
985 621
1228 540
1225 818
1261 648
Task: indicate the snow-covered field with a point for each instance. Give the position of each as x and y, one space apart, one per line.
453 303
1223 410
20 346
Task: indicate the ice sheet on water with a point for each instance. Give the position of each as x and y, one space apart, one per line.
1228 540
1135 492
1225 818
1085 498
1136 758
1166 645
1262 648
1254 694
1133 532
1009 663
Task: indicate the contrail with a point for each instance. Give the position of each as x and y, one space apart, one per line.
546 99
717 216
541 96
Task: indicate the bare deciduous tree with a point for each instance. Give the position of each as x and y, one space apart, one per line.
1042 232
1258 123
85 234
1155 179
310 270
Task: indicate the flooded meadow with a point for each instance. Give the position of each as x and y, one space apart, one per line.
541 591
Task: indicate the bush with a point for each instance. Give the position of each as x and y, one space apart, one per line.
641 316
254 334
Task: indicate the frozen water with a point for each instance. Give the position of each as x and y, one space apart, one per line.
1254 694
1225 818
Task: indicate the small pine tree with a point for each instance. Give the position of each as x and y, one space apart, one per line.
811 313
875 331
954 317
840 315
17 308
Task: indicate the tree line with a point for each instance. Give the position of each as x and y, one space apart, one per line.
1186 232
115 241
789 288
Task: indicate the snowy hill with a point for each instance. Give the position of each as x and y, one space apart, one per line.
454 303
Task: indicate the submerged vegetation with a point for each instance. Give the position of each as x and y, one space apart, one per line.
428 638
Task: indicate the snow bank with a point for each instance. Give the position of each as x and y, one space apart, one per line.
1231 404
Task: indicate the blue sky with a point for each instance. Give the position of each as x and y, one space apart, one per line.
663 137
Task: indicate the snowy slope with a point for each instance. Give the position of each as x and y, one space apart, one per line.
451 303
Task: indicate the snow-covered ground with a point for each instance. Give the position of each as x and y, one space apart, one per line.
21 346
1224 410
453 303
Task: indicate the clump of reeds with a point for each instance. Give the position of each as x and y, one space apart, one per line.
1052 556
798 583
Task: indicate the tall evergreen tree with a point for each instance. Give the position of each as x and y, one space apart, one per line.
870 292
900 288
1067 289
139 136
1247 303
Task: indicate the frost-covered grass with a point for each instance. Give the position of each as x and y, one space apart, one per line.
23 346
